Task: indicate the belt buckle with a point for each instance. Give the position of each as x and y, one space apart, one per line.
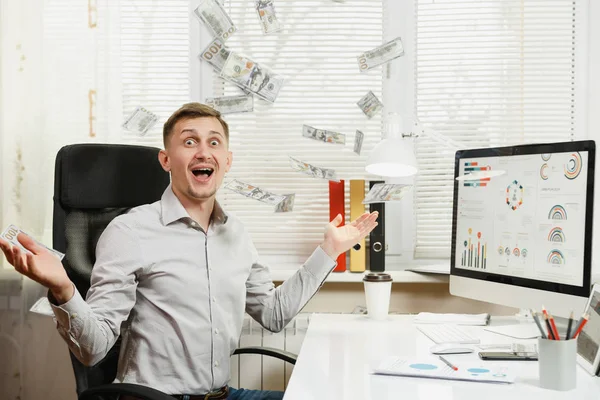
217 394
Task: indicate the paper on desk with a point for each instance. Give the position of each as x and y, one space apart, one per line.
517 331
429 367
458 319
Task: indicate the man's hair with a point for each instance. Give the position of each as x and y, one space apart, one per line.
190 111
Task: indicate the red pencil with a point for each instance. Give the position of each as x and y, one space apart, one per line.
550 334
584 320
553 325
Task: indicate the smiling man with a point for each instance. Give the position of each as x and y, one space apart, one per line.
175 277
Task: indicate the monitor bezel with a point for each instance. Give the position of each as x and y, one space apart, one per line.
528 149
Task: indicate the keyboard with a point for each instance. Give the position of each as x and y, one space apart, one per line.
447 333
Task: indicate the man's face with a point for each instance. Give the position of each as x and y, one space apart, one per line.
197 156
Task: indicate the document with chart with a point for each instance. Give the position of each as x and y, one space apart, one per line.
429 367
528 221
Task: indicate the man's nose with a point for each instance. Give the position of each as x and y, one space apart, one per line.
203 152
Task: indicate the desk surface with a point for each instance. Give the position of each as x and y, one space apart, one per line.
339 351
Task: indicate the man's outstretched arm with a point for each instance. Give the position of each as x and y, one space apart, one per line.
274 307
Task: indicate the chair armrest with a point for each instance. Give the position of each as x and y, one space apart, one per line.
130 389
268 351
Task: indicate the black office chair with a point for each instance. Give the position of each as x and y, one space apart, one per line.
95 183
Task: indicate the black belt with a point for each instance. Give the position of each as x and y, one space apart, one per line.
220 394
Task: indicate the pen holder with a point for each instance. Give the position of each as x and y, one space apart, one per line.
558 363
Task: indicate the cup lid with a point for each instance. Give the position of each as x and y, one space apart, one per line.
377 277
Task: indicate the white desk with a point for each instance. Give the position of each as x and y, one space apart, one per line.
339 350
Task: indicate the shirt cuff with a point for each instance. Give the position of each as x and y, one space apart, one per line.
319 264
68 311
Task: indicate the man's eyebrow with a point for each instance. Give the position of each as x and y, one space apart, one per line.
216 133
195 132
188 130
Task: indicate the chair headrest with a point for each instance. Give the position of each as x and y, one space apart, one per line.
91 176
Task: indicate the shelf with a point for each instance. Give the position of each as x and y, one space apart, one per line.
347 276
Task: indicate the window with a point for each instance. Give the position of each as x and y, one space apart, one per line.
490 73
316 52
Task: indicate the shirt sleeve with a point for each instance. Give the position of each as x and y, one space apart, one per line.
274 307
91 327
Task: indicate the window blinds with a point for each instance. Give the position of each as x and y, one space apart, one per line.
488 73
153 61
316 52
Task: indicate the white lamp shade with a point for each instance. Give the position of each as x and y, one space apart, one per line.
392 157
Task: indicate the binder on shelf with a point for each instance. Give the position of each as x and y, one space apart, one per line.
358 258
377 237
337 206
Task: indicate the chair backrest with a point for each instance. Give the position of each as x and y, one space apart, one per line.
94 183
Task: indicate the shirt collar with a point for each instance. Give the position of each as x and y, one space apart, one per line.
172 210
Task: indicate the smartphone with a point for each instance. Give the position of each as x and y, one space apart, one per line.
506 356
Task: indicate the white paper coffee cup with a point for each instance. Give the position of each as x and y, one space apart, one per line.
378 287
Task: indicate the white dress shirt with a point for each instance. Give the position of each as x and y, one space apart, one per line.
177 295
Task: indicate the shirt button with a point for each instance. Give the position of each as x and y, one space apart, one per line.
214 299
217 364
74 315
216 331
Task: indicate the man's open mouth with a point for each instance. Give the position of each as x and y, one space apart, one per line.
202 174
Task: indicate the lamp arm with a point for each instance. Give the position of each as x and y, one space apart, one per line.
453 144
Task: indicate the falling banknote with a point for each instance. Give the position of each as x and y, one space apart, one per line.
315 172
379 55
140 121
358 141
254 192
370 104
231 104
287 205
252 76
10 235
323 135
381 192
212 13
266 14
215 54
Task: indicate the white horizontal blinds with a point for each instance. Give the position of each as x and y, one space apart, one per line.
154 61
316 52
487 73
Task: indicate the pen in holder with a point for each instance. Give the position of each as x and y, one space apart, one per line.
558 363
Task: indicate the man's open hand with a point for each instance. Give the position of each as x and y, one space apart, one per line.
339 239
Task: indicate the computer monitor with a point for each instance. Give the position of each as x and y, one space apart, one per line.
522 225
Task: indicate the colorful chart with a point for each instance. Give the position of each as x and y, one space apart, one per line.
474 255
556 257
516 252
543 172
556 235
423 367
471 167
573 166
557 212
514 195
524 253
546 157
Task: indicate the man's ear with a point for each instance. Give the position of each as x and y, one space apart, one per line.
163 158
229 160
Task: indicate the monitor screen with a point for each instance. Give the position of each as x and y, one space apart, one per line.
523 216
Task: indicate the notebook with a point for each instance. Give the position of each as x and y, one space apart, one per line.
458 319
429 367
